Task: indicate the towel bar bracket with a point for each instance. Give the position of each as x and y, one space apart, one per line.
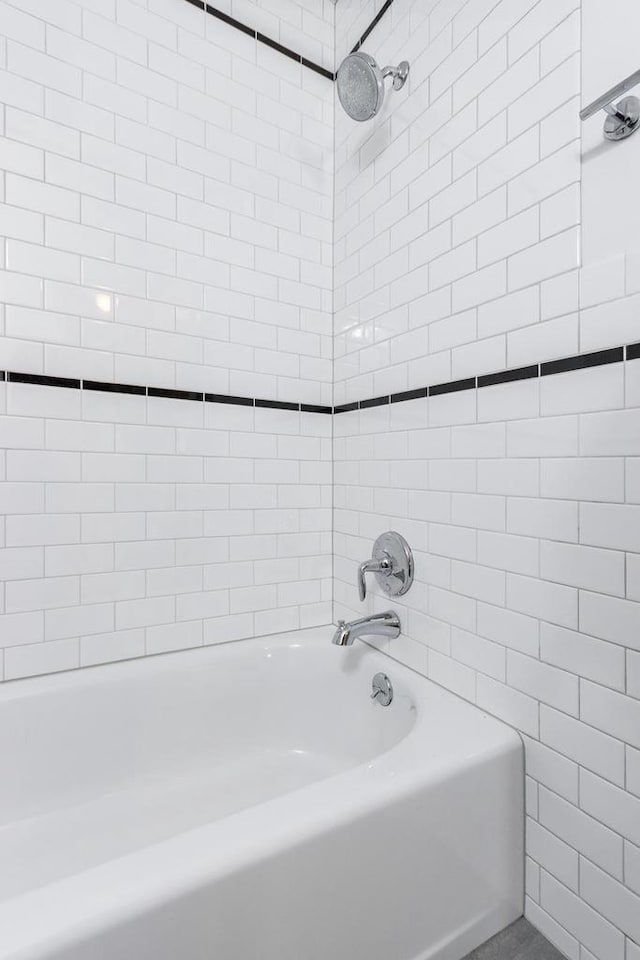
623 117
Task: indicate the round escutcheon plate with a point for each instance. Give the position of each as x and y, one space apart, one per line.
394 547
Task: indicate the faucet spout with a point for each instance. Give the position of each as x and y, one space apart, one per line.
385 624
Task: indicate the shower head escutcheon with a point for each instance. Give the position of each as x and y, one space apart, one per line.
361 84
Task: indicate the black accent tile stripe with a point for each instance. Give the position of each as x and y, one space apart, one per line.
376 20
277 404
262 38
231 21
374 23
374 402
43 380
534 370
171 394
227 398
508 376
409 395
103 387
315 408
583 361
285 51
329 74
162 392
454 386
548 368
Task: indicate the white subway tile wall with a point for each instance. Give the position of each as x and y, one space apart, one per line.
457 244
167 202
168 187
167 197
142 524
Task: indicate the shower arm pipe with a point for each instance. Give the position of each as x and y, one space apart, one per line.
399 74
605 102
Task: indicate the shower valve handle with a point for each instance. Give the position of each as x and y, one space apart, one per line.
383 565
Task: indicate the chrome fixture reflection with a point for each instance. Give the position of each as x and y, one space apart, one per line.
360 84
623 117
381 689
385 624
392 563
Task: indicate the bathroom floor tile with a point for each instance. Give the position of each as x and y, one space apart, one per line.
520 941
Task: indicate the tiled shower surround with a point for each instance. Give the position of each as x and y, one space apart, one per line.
458 256
172 220
167 222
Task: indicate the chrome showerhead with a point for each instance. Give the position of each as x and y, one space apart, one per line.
361 84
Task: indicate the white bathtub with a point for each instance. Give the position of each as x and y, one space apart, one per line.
250 802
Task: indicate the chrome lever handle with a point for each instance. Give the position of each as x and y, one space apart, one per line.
383 566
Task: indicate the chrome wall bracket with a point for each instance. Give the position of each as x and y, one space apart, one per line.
399 74
624 116
392 563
